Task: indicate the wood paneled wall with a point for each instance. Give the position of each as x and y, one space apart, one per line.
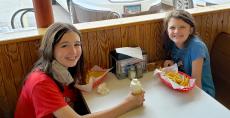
16 59
17 56
98 44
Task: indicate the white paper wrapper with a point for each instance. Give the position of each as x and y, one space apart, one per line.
94 81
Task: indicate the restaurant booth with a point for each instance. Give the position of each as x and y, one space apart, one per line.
19 50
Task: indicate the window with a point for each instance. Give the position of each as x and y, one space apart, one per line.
8 8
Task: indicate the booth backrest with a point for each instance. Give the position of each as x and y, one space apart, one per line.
220 61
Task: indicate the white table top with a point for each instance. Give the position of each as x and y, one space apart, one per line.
160 101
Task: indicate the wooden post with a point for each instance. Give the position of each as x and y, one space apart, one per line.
43 13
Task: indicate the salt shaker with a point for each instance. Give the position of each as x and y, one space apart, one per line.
131 72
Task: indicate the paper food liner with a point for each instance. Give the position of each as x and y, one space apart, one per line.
94 77
160 73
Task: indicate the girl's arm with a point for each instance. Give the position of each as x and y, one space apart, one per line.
126 105
66 112
197 70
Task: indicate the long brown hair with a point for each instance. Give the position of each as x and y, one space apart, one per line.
178 14
52 36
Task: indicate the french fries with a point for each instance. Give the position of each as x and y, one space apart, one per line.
179 79
94 74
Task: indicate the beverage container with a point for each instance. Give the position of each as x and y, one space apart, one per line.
136 86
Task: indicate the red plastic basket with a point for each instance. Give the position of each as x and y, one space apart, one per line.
185 89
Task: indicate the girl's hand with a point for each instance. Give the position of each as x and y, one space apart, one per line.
168 63
135 101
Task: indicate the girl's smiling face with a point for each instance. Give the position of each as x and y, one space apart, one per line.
178 31
68 50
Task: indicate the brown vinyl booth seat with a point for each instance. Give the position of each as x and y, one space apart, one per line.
220 62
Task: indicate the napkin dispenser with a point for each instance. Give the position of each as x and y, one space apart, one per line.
121 63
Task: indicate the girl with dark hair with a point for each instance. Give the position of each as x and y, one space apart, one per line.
47 91
185 48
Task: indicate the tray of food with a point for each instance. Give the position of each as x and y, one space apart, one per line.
175 79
